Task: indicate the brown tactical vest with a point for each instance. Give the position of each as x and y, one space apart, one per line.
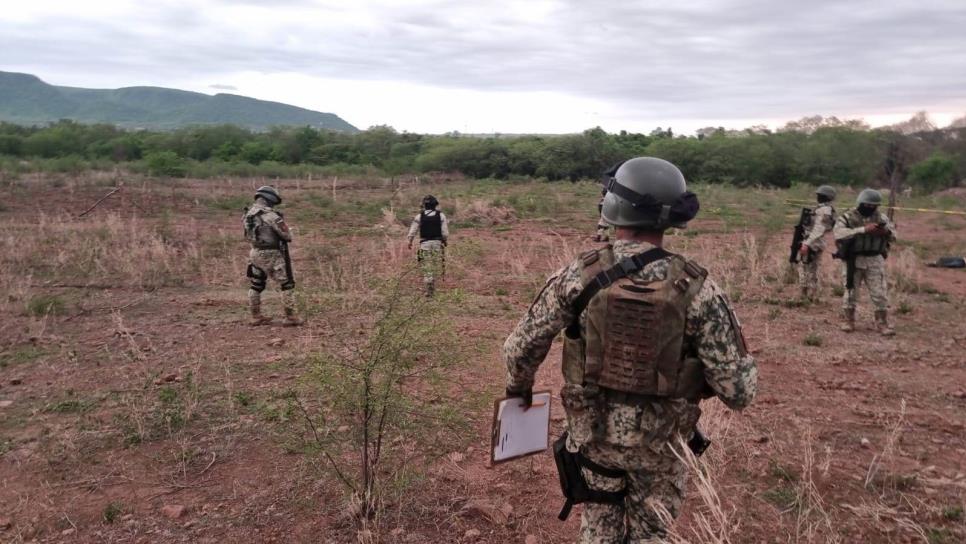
633 334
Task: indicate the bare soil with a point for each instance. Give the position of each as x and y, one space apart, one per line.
89 453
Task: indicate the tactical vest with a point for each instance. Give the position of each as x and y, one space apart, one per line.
260 234
814 214
865 243
430 226
633 334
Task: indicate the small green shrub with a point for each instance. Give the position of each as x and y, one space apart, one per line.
112 512
812 339
953 513
783 497
42 305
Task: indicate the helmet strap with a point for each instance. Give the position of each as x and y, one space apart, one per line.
665 215
633 197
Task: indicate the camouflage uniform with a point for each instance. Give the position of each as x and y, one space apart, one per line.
636 439
602 226
869 269
431 253
822 221
269 263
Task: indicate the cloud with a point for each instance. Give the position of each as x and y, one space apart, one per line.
647 60
223 87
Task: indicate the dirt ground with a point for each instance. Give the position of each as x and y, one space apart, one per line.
136 405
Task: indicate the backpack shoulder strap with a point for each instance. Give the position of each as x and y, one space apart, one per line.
606 278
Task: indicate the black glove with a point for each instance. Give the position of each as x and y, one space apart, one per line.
526 395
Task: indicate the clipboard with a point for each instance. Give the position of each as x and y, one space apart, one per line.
517 433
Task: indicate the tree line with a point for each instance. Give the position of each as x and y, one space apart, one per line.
813 150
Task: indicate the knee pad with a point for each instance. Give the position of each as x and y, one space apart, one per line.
288 285
256 278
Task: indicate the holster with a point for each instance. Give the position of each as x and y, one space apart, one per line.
574 485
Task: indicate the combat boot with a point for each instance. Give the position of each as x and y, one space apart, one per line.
292 320
882 323
259 319
848 325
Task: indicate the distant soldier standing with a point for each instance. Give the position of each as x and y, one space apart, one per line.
602 227
648 335
269 236
816 223
864 236
431 226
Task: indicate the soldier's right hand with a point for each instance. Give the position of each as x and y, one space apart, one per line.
526 395
870 228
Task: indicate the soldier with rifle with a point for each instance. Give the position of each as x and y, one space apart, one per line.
863 237
648 335
269 236
808 242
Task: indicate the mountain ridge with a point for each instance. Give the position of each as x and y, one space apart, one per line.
28 100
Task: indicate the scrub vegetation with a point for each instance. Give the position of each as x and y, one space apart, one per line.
137 405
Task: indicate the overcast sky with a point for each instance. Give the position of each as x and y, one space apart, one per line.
515 66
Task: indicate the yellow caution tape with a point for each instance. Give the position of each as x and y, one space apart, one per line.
797 202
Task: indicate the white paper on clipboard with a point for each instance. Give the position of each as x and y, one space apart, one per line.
518 432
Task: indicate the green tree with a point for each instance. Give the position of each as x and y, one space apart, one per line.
935 173
165 163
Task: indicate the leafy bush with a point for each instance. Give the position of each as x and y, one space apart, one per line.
935 173
165 163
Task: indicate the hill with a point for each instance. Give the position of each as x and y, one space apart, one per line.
26 99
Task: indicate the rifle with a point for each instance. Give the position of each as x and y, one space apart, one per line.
698 442
799 235
290 282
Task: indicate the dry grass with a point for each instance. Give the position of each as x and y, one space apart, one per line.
482 212
182 426
889 448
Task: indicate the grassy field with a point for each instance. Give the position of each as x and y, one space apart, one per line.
137 406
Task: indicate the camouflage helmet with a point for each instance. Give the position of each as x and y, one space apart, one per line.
430 202
648 193
870 197
826 191
270 194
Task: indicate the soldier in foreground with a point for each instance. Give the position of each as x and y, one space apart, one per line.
269 236
648 336
814 225
431 226
863 236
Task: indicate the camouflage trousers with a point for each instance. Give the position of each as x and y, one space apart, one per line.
871 273
808 276
270 265
652 479
431 257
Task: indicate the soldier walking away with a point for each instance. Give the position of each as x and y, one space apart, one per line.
863 237
814 224
433 230
269 259
648 335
